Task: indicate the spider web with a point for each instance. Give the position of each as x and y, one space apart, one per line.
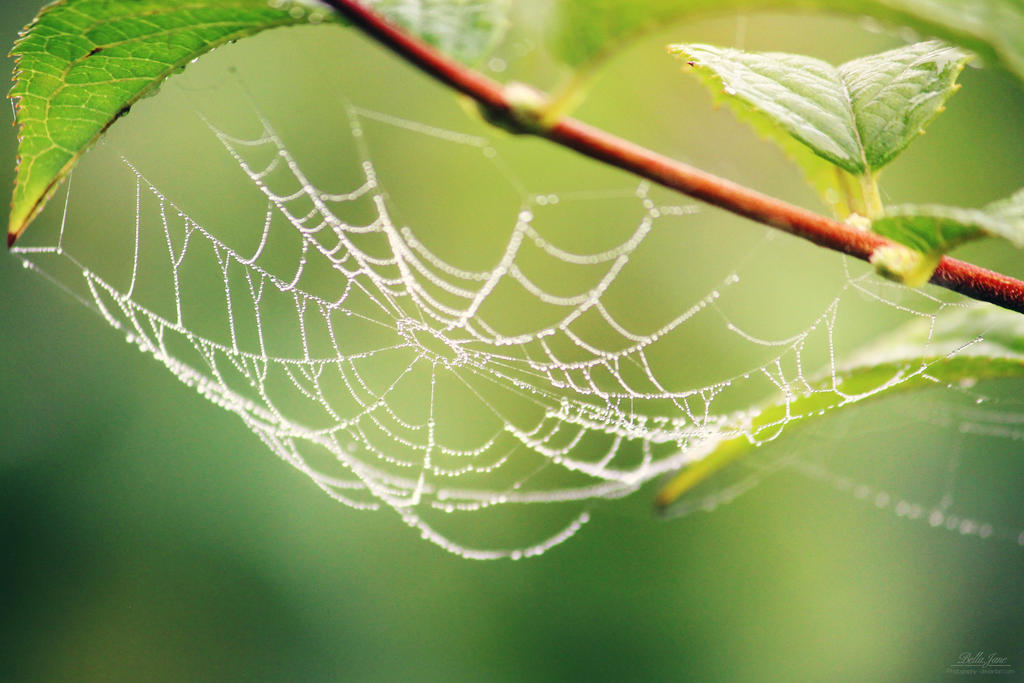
398 372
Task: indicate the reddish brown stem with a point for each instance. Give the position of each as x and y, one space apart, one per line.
965 278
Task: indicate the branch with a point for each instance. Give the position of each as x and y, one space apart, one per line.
965 278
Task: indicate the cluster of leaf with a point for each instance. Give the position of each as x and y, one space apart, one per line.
83 63
840 125
843 124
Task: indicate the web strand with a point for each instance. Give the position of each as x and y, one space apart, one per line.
387 374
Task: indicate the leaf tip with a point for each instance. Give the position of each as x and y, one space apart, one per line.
16 227
661 501
27 205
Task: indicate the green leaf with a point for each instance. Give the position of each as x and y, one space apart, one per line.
930 231
960 345
895 94
841 191
585 31
857 117
81 64
940 228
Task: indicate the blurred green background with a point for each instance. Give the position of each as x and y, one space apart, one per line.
151 536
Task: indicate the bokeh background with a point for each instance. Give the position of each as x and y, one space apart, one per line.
148 535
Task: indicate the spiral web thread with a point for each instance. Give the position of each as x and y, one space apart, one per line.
394 351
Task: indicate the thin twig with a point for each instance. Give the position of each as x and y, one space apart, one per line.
959 276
